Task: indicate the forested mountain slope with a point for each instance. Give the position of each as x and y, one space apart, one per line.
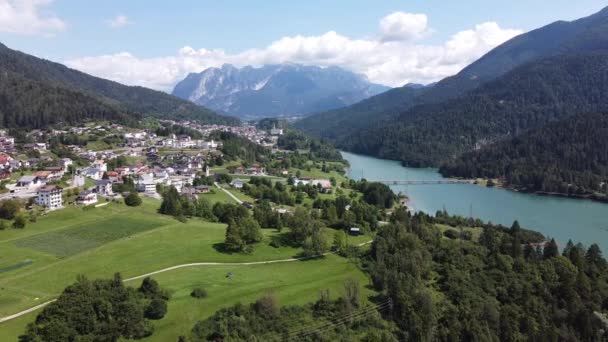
127 98
29 104
340 122
588 34
526 98
568 157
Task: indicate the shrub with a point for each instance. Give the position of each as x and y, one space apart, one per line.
451 234
156 309
133 199
199 293
19 222
9 209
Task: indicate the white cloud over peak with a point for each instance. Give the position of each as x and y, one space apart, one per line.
396 56
400 26
118 21
28 17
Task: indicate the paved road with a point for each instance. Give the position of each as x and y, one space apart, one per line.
196 264
229 193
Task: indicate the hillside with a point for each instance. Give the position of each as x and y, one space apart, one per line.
140 100
341 122
524 99
572 151
584 35
275 90
26 103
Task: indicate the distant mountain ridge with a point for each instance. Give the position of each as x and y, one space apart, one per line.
275 90
104 99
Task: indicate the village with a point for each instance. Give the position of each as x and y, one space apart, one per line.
35 171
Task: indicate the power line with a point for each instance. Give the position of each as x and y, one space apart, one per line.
306 331
301 332
333 324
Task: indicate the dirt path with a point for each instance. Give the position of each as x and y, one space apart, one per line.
196 264
229 193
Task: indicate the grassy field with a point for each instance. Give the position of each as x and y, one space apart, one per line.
292 283
98 145
475 232
238 194
71 241
40 260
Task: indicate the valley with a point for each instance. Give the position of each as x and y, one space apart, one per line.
244 172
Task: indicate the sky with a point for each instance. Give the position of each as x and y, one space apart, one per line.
157 43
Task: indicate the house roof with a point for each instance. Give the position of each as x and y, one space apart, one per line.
42 174
27 179
50 188
4 158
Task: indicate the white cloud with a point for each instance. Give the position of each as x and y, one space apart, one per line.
403 26
118 21
28 17
401 59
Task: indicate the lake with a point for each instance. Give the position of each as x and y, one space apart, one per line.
560 218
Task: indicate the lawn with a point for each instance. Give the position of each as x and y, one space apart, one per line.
475 231
71 241
237 193
38 262
98 145
292 283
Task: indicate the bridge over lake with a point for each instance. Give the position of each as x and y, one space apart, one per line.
426 182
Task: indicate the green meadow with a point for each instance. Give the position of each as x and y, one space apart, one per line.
38 262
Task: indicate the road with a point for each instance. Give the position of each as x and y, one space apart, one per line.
196 264
229 193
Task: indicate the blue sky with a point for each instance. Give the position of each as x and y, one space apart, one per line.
78 32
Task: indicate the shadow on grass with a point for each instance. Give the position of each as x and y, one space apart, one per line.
283 240
221 248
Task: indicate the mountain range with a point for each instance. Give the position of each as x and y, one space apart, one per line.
35 93
561 37
275 90
527 84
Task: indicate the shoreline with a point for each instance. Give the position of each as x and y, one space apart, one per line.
592 198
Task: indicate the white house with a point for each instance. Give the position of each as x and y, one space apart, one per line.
92 173
103 187
50 196
29 182
303 181
276 131
100 165
146 183
65 163
86 198
324 184
135 135
237 184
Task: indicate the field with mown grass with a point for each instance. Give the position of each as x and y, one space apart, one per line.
38 262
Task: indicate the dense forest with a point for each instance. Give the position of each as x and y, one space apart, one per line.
526 98
318 149
502 286
499 288
236 147
27 103
341 122
126 99
568 157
